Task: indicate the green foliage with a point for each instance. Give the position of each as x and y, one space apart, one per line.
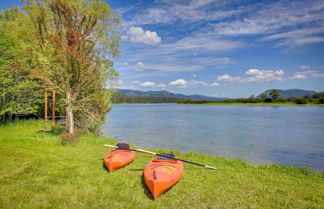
118 98
310 99
282 100
263 97
19 93
37 172
321 100
300 100
275 95
77 40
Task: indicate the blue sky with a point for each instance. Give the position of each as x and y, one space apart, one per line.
232 48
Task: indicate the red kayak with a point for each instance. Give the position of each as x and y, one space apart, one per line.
119 157
162 173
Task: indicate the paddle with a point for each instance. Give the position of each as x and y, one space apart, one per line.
161 155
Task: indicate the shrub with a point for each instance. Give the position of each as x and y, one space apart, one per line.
268 100
283 100
300 100
70 139
321 100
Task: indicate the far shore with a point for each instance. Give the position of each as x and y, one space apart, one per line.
254 104
237 103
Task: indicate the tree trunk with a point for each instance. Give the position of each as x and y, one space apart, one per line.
69 113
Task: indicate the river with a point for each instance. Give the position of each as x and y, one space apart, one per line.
289 135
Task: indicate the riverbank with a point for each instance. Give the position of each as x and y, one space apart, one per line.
36 171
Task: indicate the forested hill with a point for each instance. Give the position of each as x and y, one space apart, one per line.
135 96
291 93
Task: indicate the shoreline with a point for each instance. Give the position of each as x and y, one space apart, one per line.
255 104
234 104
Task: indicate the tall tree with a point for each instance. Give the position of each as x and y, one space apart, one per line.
77 40
275 95
19 93
263 97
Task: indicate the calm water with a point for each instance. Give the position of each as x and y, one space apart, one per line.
288 135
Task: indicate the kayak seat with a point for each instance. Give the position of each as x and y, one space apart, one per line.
122 146
161 157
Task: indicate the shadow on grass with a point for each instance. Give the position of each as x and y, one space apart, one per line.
146 190
136 169
104 166
52 132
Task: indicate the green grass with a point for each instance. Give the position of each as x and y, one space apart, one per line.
37 172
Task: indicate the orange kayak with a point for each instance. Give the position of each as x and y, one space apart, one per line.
161 173
118 158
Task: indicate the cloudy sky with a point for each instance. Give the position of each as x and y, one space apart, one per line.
231 48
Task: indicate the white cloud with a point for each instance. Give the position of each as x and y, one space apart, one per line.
179 82
139 67
279 21
161 85
228 79
215 84
214 95
298 37
298 77
136 82
263 75
148 84
203 83
255 75
128 87
318 75
138 35
168 12
312 73
274 16
203 42
304 66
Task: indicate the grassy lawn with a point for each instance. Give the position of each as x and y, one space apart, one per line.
37 172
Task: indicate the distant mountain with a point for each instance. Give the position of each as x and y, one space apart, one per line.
291 93
167 94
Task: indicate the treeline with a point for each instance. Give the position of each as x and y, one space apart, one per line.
119 98
62 45
273 97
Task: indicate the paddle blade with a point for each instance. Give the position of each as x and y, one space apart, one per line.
111 146
210 167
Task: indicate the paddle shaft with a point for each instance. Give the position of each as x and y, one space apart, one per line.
161 155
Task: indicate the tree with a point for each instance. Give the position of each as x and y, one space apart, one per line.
275 95
77 40
300 100
263 97
321 100
19 93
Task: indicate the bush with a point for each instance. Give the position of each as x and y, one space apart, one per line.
300 100
321 100
70 139
283 100
268 100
